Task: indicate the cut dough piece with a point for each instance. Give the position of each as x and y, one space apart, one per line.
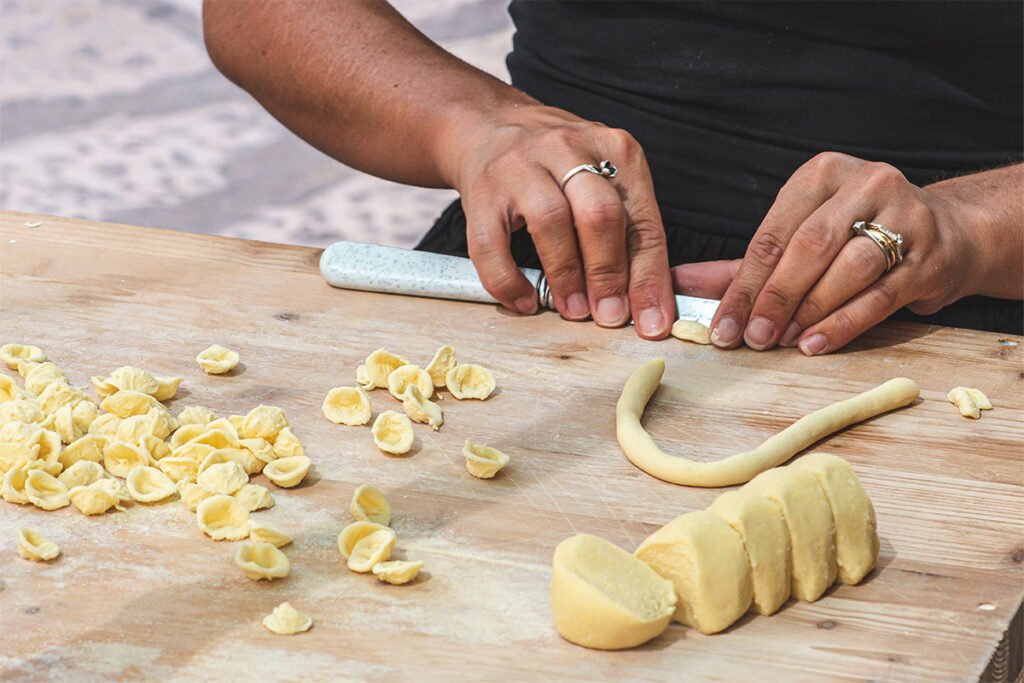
286 444
32 545
603 597
705 560
193 494
288 472
223 518
254 497
643 452
88 448
82 473
392 432
397 572
369 504
45 491
26 353
216 360
377 367
260 533
120 457
401 378
852 513
421 409
196 415
691 331
347 406
262 561
93 499
149 485
970 401
443 361
223 477
263 422
469 381
483 462
285 620
364 544
760 524
812 533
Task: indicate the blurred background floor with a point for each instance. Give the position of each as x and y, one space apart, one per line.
111 110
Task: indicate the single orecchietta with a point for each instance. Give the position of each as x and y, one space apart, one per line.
45 491
81 473
254 497
443 361
347 406
260 533
263 422
11 354
392 432
470 381
217 360
397 572
374 372
288 472
223 477
364 544
32 545
405 376
262 561
285 620
223 518
421 409
99 496
970 401
369 504
149 485
691 331
483 462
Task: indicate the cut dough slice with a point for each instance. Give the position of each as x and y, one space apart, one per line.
216 360
285 620
32 545
262 561
643 452
369 504
260 533
223 518
401 378
288 472
149 485
223 477
852 512
392 432
397 572
602 597
443 361
45 491
812 533
705 560
483 462
364 544
469 381
760 524
347 406
421 409
691 331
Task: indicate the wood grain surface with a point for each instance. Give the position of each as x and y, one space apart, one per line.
144 594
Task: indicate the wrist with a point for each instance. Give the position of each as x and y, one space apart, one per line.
969 231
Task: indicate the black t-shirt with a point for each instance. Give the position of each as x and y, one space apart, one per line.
728 99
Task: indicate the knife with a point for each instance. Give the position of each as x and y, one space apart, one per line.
391 270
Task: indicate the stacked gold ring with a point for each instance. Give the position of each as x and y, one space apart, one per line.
891 243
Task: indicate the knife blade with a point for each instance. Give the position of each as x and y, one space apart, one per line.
391 270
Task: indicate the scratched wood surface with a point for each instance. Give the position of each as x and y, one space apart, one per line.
143 594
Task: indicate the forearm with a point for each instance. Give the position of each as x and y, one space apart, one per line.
355 80
994 200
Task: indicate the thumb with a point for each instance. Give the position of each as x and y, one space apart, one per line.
707 279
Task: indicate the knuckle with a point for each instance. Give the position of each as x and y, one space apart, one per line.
765 247
601 216
811 311
645 237
844 324
885 296
881 176
825 164
775 297
621 142
562 273
816 238
547 214
866 258
606 273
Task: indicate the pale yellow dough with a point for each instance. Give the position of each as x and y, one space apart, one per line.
406 376
32 545
392 432
254 497
397 572
45 491
470 381
82 473
483 462
347 406
262 561
149 485
762 528
373 373
602 597
98 497
260 533
288 472
705 560
691 331
443 361
969 401
263 422
643 452
11 354
285 620
421 409
854 515
223 518
364 544
812 533
369 504
223 477
216 360
286 444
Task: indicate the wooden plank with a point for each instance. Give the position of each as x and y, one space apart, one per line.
144 593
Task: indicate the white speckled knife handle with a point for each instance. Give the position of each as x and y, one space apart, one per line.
375 268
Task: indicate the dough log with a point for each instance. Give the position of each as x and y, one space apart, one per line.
643 452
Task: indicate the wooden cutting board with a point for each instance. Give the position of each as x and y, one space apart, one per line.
143 594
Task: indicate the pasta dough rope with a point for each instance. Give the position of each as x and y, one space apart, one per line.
643 452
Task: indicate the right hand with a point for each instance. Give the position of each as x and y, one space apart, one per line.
601 241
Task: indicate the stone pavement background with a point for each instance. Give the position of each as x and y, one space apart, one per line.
111 110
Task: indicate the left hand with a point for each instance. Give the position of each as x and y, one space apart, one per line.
807 280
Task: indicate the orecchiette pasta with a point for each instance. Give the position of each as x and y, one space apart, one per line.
287 472
347 406
254 497
223 518
12 353
285 620
403 377
196 415
443 361
120 457
483 462
369 504
470 381
81 473
32 545
286 444
223 477
262 561
45 491
392 432
397 572
94 499
179 469
216 360
377 367
364 544
88 448
260 533
421 409
263 422
149 485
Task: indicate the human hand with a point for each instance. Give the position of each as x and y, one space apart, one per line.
806 280
601 241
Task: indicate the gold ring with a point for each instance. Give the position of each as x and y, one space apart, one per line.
891 243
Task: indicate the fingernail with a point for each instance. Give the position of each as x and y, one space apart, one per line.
576 306
526 304
759 333
813 345
725 332
790 335
651 322
611 311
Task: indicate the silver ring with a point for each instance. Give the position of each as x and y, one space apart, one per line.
891 243
604 169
